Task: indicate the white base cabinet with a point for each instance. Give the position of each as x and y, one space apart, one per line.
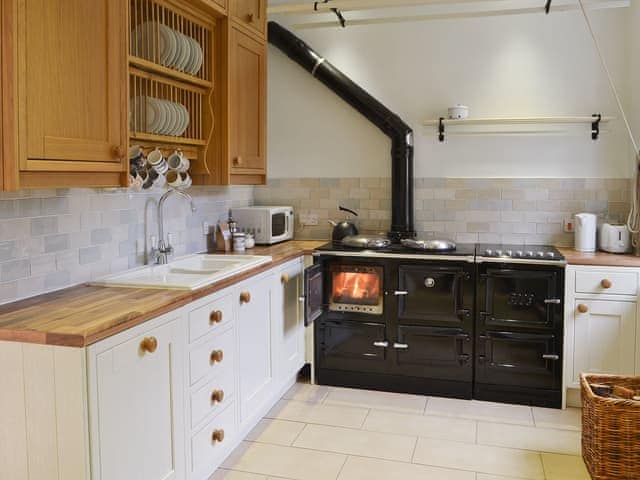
166 400
601 323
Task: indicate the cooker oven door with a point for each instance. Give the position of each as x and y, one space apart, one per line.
528 360
314 304
516 298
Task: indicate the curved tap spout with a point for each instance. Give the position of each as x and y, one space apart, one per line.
164 249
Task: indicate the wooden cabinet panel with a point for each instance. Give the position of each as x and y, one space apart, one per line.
604 339
251 14
139 395
72 85
247 105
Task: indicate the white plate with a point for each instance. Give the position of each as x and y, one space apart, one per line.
168 45
170 118
193 63
192 56
162 117
177 121
186 118
179 49
153 114
199 58
186 52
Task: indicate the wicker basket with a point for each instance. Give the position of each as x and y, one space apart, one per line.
610 430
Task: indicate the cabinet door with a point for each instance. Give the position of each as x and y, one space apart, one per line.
139 403
287 321
72 85
247 104
254 339
251 14
604 338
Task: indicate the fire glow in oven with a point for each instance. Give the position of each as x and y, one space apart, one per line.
356 289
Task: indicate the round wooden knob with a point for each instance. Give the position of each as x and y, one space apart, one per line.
149 344
237 161
217 436
606 283
217 356
284 278
582 308
215 317
118 152
217 396
245 297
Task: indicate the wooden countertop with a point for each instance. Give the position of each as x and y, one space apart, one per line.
82 315
600 259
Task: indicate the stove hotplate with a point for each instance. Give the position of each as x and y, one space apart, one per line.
462 250
469 251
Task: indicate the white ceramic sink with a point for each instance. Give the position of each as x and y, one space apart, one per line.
187 273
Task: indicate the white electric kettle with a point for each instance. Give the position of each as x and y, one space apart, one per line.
585 236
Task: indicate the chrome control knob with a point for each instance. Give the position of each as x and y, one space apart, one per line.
530 253
488 252
519 253
509 253
499 253
551 254
540 254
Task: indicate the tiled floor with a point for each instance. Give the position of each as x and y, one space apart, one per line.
326 433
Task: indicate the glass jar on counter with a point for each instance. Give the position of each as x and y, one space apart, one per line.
249 241
239 242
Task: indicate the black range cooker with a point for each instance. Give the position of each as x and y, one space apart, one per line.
481 321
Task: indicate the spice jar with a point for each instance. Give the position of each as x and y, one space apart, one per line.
239 242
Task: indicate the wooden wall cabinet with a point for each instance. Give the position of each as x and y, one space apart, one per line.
251 15
69 84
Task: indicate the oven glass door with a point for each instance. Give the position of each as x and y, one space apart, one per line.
516 298
519 359
278 224
356 288
313 293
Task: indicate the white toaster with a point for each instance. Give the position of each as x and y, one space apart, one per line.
614 238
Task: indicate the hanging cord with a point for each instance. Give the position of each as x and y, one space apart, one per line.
633 220
338 13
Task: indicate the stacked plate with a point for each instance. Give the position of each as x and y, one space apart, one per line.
175 50
153 115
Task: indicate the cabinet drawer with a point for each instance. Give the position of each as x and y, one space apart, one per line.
203 361
206 452
611 283
210 317
206 400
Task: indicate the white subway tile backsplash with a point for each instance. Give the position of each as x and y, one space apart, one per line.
50 239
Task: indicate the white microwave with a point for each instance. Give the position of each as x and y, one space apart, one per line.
268 225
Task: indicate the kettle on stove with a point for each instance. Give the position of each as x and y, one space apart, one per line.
346 228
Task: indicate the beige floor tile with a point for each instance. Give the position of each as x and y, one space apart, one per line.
359 468
564 467
484 476
473 409
221 474
529 438
339 416
461 430
278 432
357 442
287 462
305 392
479 458
569 419
371 399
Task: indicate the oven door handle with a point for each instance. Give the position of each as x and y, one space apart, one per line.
399 293
552 301
384 344
551 357
400 346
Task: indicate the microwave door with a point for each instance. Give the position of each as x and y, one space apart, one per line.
281 224
313 293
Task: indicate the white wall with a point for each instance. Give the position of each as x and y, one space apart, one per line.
521 65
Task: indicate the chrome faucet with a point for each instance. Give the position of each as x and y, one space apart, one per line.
161 251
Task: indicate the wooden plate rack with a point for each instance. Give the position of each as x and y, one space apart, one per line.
159 30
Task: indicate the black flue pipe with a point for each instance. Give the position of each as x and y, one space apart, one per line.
400 133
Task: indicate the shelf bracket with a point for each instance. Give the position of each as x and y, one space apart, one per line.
547 7
441 129
595 126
